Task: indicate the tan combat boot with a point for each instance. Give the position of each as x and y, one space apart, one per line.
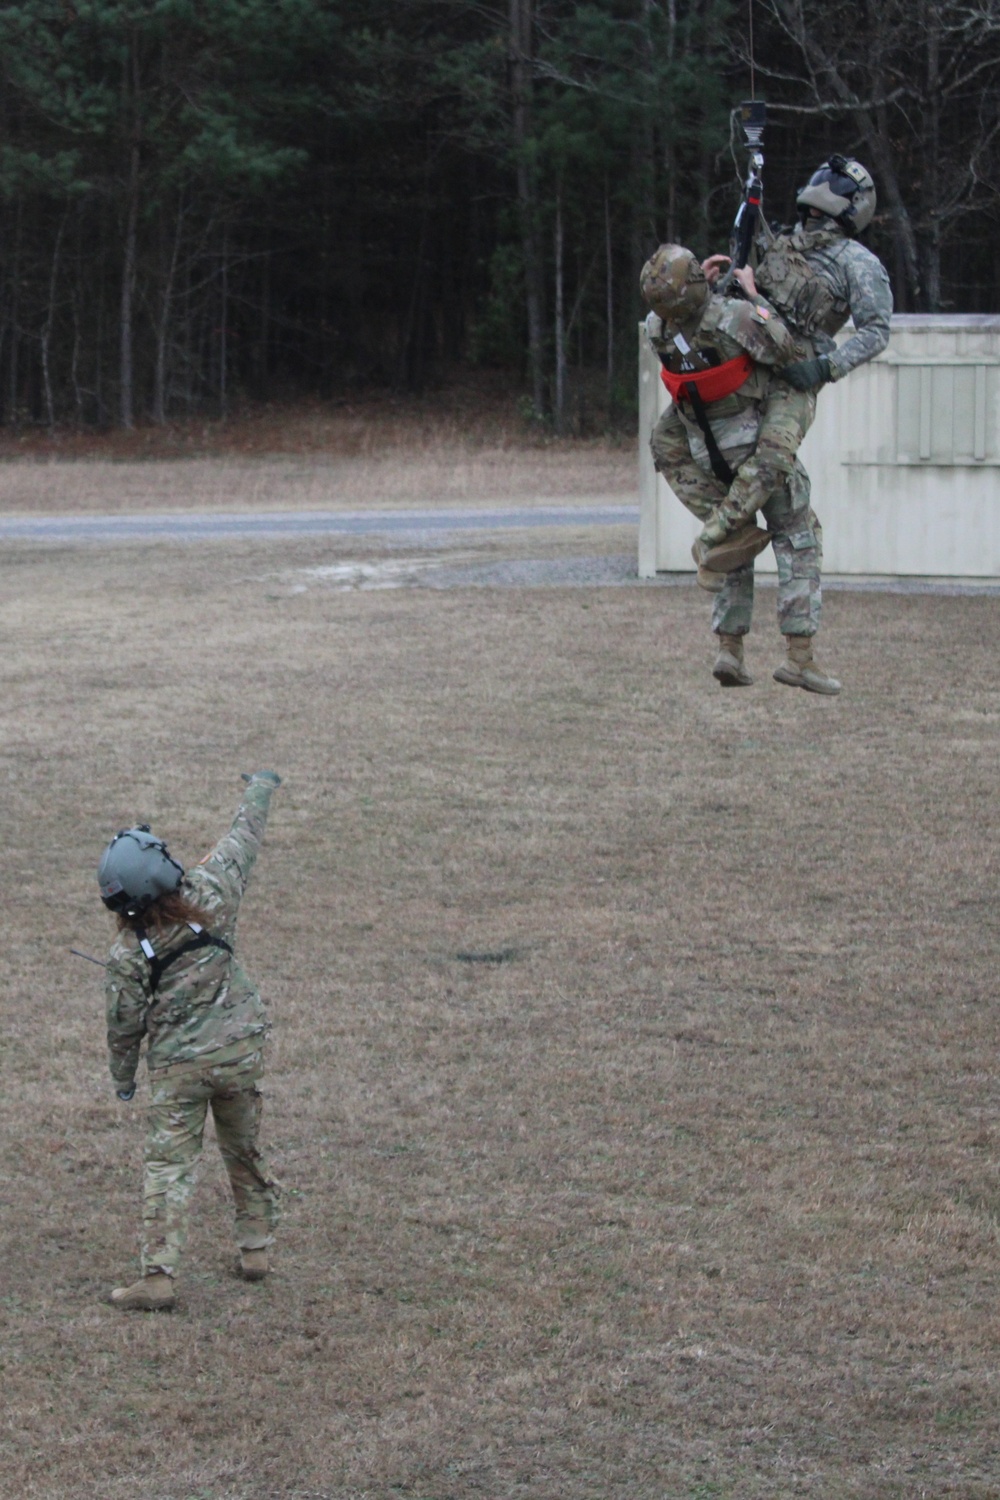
729 668
802 670
254 1264
154 1293
734 550
711 582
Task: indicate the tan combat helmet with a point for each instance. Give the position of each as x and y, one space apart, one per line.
674 286
844 190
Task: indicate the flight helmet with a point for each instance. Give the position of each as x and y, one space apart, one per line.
135 870
844 190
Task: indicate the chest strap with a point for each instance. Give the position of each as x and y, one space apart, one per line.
159 962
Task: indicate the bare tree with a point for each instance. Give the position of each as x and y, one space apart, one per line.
919 86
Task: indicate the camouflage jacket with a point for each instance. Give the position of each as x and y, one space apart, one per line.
852 283
732 326
204 1002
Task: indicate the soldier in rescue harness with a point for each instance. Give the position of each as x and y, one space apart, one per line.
727 447
173 978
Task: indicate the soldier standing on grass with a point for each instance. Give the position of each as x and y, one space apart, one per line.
173 978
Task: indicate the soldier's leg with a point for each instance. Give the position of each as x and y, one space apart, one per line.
175 1126
236 1109
698 491
786 417
733 609
798 548
797 539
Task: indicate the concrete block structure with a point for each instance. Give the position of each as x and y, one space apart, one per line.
904 458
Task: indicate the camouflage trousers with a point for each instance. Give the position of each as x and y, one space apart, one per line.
796 535
181 1097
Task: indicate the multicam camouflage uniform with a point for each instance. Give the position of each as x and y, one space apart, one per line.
206 1027
758 430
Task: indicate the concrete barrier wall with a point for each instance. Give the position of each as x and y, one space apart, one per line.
904 458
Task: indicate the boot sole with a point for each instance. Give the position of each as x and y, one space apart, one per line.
796 679
726 678
730 555
142 1304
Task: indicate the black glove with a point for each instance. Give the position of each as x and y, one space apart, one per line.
126 1094
271 777
808 374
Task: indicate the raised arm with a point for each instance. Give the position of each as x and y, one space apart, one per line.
235 854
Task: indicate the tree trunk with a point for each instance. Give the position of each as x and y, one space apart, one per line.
126 372
609 304
224 330
670 151
932 159
46 338
559 412
163 325
521 42
13 374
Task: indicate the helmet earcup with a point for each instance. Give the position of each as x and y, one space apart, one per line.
135 870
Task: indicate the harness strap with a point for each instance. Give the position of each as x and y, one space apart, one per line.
703 387
159 962
720 468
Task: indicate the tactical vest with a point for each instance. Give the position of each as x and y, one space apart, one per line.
802 296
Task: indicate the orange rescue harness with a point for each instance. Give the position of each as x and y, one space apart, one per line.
710 385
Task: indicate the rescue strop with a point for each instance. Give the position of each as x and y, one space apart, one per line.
700 388
711 385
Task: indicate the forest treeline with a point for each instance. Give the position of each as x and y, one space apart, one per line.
206 200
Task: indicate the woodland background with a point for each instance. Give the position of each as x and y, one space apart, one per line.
211 203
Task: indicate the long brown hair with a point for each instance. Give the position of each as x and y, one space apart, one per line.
166 911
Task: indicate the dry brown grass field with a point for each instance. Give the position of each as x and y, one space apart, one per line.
634 1074
462 448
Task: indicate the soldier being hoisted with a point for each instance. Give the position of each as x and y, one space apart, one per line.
816 277
728 445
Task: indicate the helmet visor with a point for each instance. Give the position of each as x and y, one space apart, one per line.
842 186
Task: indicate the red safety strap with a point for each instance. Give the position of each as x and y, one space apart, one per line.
711 385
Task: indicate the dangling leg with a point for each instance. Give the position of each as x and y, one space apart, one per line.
731 618
798 549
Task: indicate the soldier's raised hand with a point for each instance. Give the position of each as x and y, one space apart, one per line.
270 777
714 266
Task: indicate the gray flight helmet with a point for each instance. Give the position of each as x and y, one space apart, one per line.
135 870
843 190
